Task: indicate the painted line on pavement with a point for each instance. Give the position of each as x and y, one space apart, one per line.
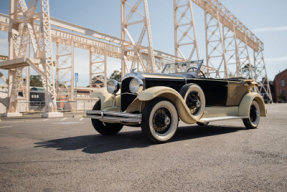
5 127
67 122
81 119
64 119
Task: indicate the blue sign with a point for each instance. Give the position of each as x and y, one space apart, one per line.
76 77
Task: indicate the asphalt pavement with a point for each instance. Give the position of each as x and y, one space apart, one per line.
67 154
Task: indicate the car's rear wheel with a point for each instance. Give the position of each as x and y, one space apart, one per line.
254 116
159 120
194 99
105 128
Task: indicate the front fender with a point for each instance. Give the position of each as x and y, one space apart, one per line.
105 97
174 96
244 107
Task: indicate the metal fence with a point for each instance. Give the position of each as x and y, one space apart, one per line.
38 107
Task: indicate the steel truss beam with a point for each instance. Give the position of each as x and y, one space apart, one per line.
136 48
260 74
216 9
215 50
98 68
85 42
243 60
219 44
184 30
231 54
237 55
22 34
65 69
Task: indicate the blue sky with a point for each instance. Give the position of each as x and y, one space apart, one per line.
265 18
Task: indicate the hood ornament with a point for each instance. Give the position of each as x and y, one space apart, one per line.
133 70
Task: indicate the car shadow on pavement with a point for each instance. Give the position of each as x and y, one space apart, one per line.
193 132
130 139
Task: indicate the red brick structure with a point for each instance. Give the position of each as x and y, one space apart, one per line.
280 85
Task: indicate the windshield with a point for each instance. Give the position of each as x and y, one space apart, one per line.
183 67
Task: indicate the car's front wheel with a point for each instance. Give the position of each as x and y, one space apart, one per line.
159 120
254 116
105 128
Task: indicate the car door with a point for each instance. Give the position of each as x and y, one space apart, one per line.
215 90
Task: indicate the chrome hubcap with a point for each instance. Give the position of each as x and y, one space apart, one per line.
161 120
167 121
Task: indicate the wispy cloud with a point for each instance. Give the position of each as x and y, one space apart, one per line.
270 29
275 59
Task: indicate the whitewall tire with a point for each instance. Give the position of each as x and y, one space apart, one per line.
159 120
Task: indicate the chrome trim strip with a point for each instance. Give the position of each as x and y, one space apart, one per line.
111 113
210 119
116 119
128 94
134 75
185 79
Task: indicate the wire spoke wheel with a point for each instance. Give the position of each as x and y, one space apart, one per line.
161 120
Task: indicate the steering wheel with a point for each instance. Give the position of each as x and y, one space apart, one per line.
194 69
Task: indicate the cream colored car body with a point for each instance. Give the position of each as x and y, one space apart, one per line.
112 103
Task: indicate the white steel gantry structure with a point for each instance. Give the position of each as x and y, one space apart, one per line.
67 36
22 34
185 39
65 68
227 43
126 21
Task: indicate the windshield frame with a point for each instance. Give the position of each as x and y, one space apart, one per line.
184 64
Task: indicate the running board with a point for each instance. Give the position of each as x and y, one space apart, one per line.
210 119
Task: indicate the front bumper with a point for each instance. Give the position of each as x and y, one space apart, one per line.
114 117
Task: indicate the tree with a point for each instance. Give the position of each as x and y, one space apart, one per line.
98 79
35 81
282 97
245 71
116 75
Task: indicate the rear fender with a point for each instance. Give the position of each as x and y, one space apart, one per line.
244 106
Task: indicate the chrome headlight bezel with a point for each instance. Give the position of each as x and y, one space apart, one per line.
113 86
136 85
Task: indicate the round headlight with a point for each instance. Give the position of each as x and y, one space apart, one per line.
135 85
113 86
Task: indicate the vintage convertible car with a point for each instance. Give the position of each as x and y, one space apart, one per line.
157 101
